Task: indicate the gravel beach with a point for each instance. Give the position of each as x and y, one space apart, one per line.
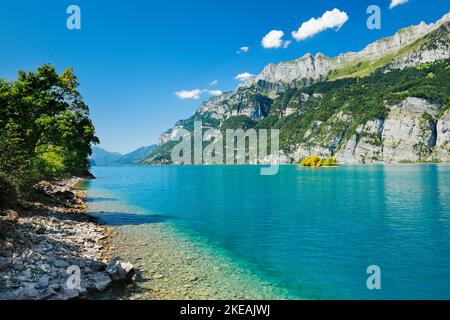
50 249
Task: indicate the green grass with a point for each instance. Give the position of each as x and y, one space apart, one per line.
367 67
362 68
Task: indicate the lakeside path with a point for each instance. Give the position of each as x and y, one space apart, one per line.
172 266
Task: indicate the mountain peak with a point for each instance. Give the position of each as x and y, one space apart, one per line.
444 19
319 66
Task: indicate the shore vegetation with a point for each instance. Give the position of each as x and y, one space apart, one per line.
45 130
316 162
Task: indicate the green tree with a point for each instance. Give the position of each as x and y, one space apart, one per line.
45 129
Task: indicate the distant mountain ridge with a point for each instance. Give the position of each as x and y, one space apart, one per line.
319 66
135 157
386 103
102 157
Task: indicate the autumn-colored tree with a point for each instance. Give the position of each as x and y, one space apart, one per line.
311 162
330 162
316 162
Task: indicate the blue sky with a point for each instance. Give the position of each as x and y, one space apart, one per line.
132 56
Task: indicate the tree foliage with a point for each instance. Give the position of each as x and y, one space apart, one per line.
45 129
316 162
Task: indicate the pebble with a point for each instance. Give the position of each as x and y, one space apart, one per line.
37 248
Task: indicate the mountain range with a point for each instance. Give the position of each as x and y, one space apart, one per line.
388 103
102 157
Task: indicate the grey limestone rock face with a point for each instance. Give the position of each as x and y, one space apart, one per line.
365 146
442 150
409 131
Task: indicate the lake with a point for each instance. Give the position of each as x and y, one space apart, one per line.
310 232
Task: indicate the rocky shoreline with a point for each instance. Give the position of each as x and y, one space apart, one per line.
51 249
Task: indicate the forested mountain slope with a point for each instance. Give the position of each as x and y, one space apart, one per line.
386 103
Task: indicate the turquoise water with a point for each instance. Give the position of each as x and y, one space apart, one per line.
311 232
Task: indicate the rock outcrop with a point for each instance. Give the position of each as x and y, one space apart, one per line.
243 102
365 146
433 47
119 270
308 67
319 66
442 149
409 132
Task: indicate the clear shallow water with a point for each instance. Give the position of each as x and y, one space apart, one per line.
311 232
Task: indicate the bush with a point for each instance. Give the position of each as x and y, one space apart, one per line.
330 162
315 162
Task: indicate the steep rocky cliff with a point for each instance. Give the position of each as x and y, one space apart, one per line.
408 134
399 48
386 103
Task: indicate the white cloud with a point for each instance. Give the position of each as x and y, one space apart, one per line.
196 93
333 19
244 76
274 39
214 92
213 83
243 50
186 94
395 3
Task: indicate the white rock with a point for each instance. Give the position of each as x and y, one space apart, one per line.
442 151
405 130
119 270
